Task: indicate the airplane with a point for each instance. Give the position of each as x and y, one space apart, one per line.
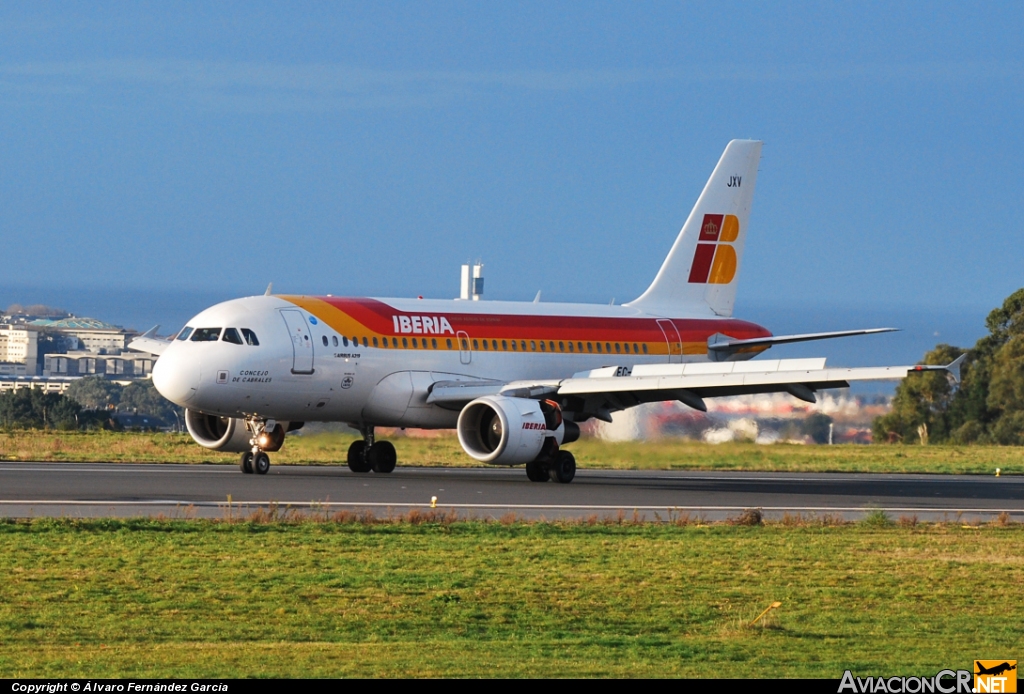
995 669
514 379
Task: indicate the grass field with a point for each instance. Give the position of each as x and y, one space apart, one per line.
666 454
217 599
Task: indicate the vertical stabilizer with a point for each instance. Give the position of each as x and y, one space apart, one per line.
698 278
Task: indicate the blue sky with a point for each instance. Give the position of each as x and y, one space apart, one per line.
372 148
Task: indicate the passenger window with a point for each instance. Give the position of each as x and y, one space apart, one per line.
485 344
607 348
449 342
394 342
206 335
522 345
433 342
504 345
344 341
414 342
598 347
324 338
231 335
513 345
590 346
475 345
465 344
374 342
533 346
570 346
635 350
551 345
618 348
645 348
334 340
542 346
250 337
185 332
405 342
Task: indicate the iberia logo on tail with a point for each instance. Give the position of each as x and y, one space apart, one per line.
714 261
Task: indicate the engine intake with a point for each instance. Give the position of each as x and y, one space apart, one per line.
511 431
229 434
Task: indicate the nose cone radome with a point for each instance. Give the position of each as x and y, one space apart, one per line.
177 377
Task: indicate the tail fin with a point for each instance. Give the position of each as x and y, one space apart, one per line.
699 275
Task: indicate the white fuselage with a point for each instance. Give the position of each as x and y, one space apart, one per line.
373 361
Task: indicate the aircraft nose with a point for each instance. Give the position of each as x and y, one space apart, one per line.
177 377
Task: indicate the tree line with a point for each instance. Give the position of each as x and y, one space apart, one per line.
89 403
987 406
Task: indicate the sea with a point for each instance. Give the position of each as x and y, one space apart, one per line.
921 327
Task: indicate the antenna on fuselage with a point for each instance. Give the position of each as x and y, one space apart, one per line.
270 289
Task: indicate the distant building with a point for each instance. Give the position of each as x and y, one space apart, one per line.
19 344
93 335
126 365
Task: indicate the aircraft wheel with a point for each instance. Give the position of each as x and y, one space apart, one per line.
382 457
261 463
564 467
357 457
536 471
246 462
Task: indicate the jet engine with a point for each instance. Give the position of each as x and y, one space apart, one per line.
229 434
511 431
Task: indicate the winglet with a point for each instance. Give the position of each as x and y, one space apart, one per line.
151 332
952 368
270 289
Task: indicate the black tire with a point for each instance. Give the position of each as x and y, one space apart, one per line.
537 471
564 467
357 457
261 463
246 462
382 457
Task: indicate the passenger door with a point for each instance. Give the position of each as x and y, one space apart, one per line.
672 339
302 341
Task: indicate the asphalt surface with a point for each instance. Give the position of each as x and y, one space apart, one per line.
92 490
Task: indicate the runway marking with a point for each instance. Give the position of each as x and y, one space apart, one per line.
682 475
530 507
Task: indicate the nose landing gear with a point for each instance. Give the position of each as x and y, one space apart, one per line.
367 454
257 459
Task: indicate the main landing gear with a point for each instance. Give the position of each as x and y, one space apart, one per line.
558 467
366 454
263 436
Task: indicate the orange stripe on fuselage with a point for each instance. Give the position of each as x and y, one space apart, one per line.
361 317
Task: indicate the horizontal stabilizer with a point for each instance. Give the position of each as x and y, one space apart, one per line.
722 346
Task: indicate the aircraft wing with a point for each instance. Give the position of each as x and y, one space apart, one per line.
602 391
149 342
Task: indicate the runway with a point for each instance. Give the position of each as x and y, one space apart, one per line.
216 491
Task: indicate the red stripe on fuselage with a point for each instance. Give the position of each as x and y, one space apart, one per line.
377 317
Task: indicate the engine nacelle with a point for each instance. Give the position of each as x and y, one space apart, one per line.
230 435
511 431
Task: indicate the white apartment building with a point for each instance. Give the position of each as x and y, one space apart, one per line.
19 344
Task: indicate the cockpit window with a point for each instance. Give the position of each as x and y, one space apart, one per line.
206 335
250 337
231 335
185 332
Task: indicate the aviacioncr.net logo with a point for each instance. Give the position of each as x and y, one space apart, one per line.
944 682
